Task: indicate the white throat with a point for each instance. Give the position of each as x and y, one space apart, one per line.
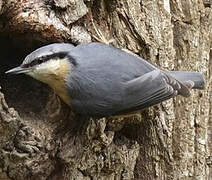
54 73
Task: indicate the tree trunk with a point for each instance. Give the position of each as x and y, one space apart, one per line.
39 136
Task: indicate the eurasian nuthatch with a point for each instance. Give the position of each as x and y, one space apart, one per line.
99 80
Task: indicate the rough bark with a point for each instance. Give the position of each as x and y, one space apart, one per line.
39 136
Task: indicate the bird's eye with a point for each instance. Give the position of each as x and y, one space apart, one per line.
33 63
40 60
62 55
36 62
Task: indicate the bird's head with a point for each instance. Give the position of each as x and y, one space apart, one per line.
46 62
49 64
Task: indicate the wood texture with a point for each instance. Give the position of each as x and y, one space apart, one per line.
41 139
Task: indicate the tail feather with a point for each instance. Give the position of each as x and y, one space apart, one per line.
194 80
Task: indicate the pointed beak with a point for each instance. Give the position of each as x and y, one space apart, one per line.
17 70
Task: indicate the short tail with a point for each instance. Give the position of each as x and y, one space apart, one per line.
196 78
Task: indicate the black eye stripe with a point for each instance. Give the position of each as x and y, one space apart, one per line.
42 59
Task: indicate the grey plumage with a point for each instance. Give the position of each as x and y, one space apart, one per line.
47 50
100 80
183 76
108 81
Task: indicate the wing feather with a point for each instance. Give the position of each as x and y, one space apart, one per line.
147 90
114 82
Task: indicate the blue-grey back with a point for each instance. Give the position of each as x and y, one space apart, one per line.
99 74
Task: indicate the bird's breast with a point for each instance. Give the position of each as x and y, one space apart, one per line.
60 90
57 81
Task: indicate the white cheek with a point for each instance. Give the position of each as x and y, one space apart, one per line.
48 67
45 70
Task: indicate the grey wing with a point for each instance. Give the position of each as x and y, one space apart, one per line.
139 93
114 82
149 89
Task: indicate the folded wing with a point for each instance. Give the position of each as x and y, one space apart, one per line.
150 89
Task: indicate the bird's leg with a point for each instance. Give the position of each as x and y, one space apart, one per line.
53 105
57 112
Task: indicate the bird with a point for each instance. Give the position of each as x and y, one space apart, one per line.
100 80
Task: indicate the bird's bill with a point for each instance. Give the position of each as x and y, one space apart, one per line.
17 70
